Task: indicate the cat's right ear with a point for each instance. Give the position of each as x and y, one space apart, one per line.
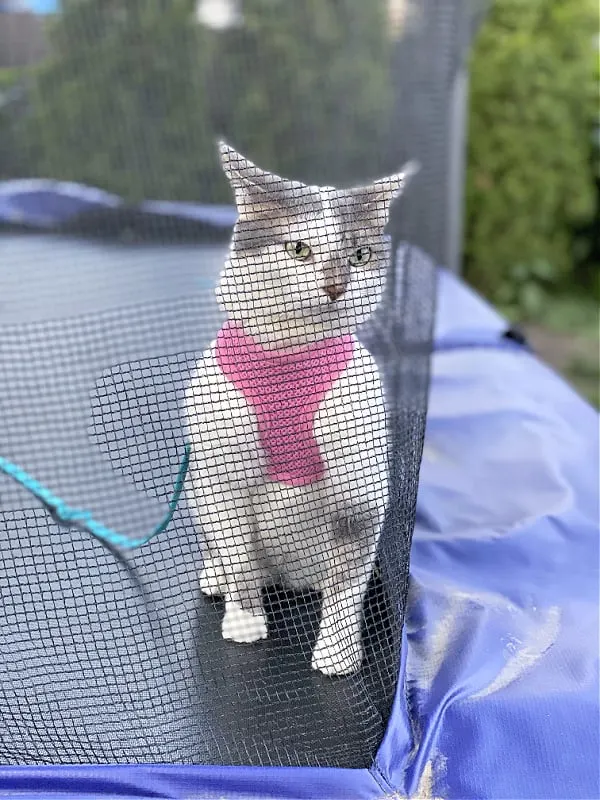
242 174
257 192
252 186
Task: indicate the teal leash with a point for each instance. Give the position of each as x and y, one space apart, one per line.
64 514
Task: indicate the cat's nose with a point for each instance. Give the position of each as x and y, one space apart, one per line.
334 290
336 277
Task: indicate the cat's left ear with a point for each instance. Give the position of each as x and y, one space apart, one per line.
377 198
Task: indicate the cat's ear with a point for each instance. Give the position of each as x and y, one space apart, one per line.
257 192
376 198
241 172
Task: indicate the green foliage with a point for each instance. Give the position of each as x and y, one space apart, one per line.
572 324
121 103
11 93
530 178
525 290
304 87
136 94
584 375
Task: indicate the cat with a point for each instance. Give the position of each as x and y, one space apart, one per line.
285 410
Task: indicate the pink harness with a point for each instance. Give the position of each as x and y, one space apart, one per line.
285 390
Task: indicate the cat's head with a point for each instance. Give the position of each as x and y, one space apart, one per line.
305 262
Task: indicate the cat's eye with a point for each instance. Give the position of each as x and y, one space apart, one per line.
298 250
360 257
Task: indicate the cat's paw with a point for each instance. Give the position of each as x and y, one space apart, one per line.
335 654
242 626
212 579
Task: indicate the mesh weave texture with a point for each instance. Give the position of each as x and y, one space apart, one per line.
296 520
121 658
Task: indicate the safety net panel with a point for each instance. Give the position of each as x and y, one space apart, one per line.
210 433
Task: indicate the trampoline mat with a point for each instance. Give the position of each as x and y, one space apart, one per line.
116 656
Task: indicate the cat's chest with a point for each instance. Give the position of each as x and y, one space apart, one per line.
286 390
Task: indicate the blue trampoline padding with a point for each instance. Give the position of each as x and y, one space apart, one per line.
46 204
133 782
498 691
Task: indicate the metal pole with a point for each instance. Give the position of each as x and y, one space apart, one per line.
457 169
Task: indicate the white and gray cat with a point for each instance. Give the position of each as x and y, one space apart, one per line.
285 410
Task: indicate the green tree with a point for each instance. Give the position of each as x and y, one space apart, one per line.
135 94
11 106
304 87
120 104
533 107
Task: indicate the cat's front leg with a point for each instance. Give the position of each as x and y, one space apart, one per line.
245 619
224 467
233 568
212 577
338 650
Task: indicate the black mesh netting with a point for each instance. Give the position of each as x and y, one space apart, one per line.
118 656
263 624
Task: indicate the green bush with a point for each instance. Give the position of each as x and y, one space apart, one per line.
121 102
136 93
305 87
530 179
11 101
